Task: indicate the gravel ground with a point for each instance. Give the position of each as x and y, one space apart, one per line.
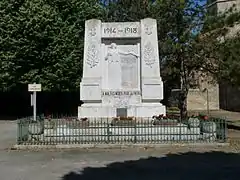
229 115
171 164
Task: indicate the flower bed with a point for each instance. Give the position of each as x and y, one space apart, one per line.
162 120
123 121
75 123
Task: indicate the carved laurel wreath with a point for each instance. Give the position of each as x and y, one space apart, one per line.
149 56
92 58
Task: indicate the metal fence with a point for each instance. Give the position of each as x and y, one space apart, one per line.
52 131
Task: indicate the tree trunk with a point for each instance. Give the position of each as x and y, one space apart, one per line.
183 104
183 93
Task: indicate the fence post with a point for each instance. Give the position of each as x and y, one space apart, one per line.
225 129
135 132
180 135
18 132
108 134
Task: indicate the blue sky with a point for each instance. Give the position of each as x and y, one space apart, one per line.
201 2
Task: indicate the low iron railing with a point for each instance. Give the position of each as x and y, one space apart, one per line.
51 131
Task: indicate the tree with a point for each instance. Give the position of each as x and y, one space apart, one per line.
184 52
42 42
176 21
219 42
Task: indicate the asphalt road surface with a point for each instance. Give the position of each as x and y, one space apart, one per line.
152 164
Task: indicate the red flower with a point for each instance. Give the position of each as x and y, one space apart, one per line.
205 117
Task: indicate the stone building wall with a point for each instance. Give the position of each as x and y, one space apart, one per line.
204 93
221 6
225 5
199 100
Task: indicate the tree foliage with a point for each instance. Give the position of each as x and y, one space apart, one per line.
42 41
176 21
220 43
183 52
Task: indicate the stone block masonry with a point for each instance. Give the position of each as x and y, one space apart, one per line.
121 70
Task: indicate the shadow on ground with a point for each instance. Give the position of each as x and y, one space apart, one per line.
186 166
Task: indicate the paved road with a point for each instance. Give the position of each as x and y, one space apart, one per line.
148 164
8 134
170 164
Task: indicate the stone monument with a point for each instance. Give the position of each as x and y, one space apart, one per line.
121 73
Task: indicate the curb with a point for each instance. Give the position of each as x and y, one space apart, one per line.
233 126
115 146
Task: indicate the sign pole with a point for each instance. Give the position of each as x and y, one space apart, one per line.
34 105
34 88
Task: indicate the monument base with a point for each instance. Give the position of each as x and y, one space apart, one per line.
144 110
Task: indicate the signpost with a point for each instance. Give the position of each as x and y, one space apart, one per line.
34 88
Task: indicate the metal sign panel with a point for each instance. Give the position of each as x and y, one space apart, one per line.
34 87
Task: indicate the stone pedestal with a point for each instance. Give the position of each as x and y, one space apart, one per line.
121 73
99 111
